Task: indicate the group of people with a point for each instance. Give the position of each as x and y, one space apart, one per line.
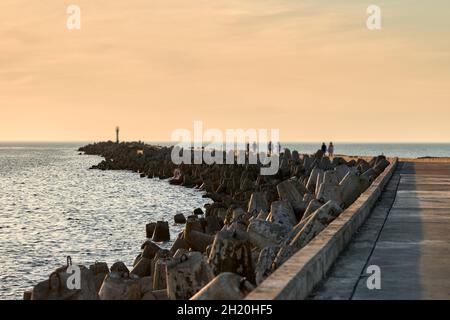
324 148
330 149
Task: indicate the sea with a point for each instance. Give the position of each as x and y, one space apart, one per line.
53 206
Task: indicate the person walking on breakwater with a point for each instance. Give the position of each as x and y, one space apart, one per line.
254 147
324 148
331 150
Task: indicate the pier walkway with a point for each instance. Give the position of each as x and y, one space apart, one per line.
407 236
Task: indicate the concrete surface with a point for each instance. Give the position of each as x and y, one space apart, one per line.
409 241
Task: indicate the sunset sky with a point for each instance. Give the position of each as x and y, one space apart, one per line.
310 68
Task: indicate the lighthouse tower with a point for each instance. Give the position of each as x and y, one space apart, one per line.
117 134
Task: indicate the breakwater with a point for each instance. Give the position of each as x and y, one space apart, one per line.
226 249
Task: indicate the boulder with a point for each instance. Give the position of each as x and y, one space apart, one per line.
288 192
265 233
186 275
341 171
156 295
57 286
329 192
281 212
99 270
318 221
159 273
143 268
116 287
212 224
149 249
331 177
226 286
312 206
380 165
312 180
198 211
120 268
149 229
198 241
264 263
257 203
146 284
179 218
350 189
161 232
231 252
180 243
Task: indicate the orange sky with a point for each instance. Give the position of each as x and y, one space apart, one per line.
309 68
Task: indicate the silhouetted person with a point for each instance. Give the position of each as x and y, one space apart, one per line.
324 148
331 149
254 146
269 147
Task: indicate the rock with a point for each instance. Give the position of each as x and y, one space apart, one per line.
350 189
56 287
366 179
381 164
231 252
362 166
325 163
331 177
320 177
143 267
156 295
337 161
341 171
226 286
288 192
198 211
27 295
329 192
282 213
120 268
264 264
99 270
212 224
180 243
161 232
117 288
192 224
318 221
257 203
198 241
312 206
179 218
150 249
312 180
265 233
159 274
187 275
146 284
149 229
263 215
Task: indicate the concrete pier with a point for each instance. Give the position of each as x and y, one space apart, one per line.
407 236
